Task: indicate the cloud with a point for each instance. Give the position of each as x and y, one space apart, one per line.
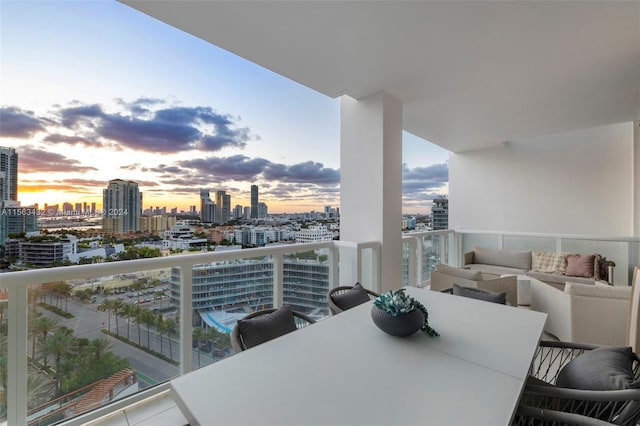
241 167
18 123
144 125
236 167
33 160
72 140
436 173
307 172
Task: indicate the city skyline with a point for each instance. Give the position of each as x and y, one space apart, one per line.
96 91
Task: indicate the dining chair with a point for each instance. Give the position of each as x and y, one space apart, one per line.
603 385
266 324
345 297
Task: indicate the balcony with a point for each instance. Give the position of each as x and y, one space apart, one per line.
542 119
178 351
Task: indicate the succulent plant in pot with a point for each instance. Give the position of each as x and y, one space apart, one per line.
399 314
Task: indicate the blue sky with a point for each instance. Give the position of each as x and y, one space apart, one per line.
94 90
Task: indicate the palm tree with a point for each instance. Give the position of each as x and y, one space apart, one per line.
149 319
118 306
107 305
128 312
57 345
40 388
198 336
43 326
137 317
98 347
170 325
161 326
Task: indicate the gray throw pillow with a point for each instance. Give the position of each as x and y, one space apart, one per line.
600 369
480 294
263 328
355 296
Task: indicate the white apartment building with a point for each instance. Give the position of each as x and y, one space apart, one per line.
314 234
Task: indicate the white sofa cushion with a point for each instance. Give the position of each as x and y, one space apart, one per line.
588 290
467 274
509 258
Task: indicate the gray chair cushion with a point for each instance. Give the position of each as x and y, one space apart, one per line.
350 298
480 294
600 369
263 328
467 274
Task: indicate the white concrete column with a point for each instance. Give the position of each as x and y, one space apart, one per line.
636 178
371 179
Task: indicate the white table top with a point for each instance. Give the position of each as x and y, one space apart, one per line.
344 370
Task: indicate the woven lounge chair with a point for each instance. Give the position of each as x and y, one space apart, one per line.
542 404
338 302
238 343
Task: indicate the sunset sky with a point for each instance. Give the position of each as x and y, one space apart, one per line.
94 90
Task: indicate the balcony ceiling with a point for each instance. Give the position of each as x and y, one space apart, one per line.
470 74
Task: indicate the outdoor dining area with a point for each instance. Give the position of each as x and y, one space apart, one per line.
469 361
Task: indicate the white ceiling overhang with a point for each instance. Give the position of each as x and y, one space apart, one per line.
470 74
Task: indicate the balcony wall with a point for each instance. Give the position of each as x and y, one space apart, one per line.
580 182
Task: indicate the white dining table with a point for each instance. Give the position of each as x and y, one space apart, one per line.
345 371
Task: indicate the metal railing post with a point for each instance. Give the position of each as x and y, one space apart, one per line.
17 357
186 315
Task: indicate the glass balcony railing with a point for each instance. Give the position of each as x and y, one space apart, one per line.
78 339
74 339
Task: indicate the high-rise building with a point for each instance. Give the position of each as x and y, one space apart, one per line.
122 206
237 212
207 207
226 208
263 211
440 213
13 218
254 201
8 174
223 207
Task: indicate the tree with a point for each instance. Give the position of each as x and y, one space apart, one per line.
198 336
149 319
170 325
161 327
118 306
42 325
128 311
107 305
57 345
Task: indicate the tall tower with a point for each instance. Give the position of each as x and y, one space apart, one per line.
8 174
122 206
222 214
254 201
206 207
440 212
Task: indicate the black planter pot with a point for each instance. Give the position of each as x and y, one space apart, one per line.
400 325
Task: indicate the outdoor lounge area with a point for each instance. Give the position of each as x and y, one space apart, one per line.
538 104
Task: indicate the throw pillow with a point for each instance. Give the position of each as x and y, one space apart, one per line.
355 296
600 369
580 266
547 261
480 294
467 274
263 328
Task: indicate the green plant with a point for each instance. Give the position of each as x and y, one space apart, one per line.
397 302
